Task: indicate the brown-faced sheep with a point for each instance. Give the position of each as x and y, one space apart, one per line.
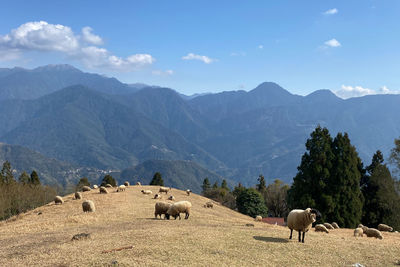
372 232
258 218
321 228
358 232
171 198
146 192
164 190
157 196
209 204
127 183
335 225
161 208
95 186
121 188
301 221
85 188
78 195
188 191
385 228
177 208
138 183
329 226
58 200
88 206
103 190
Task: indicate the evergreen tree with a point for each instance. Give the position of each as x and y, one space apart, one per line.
215 185
395 154
34 178
157 179
24 178
261 186
82 182
206 185
108 179
224 185
238 189
250 202
6 173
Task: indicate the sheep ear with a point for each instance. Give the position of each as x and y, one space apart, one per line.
308 210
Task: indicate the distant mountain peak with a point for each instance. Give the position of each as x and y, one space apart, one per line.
323 95
270 87
57 67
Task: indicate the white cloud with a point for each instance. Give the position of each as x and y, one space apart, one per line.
348 91
44 37
260 47
91 38
163 73
333 43
331 11
192 56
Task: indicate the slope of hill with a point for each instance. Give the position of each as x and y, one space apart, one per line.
209 237
178 174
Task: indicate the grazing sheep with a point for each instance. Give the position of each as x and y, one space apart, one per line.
171 198
95 186
335 225
372 232
127 183
385 228
58 200
138 183
329 226
85 188
209 204
161 208
88 206
177 208
121 188
358 232
188 191
108 185
301 221
258 218
147 192
157 196
321 228
164 190
103 190
78 195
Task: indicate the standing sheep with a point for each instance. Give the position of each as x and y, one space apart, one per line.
147 192
126 183
161 208
301 221
385 228
78 195
177 208
335 225
58 200
321 228
164 190
85 188
121 188
188 191
329 226
358 232
103 190
372 232
88 206
258 218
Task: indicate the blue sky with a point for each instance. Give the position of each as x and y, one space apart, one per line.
349 47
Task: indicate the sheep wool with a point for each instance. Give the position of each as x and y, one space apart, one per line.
321 228
358 232
372 232
164 190
78 195
126 183
258 218
177 208
161 208
58 200
329 226
103 190
108 185
301 221
138 183
335 225
95 186
385 228
121 188
188 191
157 196
86 188
147 192
88 206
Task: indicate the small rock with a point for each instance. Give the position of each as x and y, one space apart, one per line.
250 224
80 236
357 265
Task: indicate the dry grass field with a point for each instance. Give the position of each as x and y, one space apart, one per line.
210 237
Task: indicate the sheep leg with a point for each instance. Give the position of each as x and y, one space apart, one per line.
304 233
187 216
291 232
299 236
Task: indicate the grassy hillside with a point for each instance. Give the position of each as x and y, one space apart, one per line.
210 237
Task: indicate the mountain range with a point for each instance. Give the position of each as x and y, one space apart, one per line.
92 121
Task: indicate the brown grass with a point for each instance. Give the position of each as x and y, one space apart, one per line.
210 237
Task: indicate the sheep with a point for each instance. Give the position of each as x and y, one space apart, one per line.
258 218
157 196
209 204
358 232
177 208
108 185
88 206
78 195
95 186
85 188
138 183
127 183
372 232
335 225
103 190
147 192
58 200
385 228
188 191
329 226
360 226
171 198
321 228
121 188
301 221
161 208
164 190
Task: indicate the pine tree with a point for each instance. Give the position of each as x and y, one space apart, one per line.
157 179
6 173
82 182
206 185
261 186
215 185
108 179
24 178
224 185
34 178
250 202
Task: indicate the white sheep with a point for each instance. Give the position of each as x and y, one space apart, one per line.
258 218
164 190
188 191
171 198
85 188
358 232
88 206
329 226
385 228
58 200
301 221
321 228
157 196
95 186
103 190
335 225
78 195
161 208
147 192
138 183
372 232
127 183
177 208
121 188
